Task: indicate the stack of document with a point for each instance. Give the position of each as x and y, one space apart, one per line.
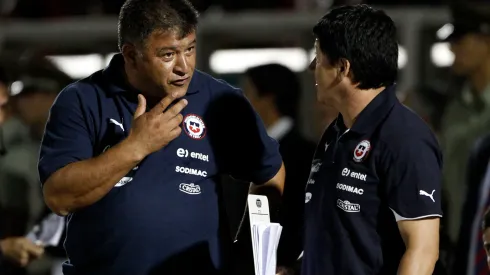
265 235
48 232
265 238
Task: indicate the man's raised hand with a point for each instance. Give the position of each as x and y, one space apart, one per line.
156 128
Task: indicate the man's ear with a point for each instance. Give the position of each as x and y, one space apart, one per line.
344 67
129 53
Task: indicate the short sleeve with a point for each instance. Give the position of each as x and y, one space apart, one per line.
413 179
244 149
66 137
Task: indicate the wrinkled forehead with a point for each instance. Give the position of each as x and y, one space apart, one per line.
171 39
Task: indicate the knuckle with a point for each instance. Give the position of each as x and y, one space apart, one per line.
177 133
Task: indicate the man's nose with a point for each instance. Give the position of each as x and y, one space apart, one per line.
182 65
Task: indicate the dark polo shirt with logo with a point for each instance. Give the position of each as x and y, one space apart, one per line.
363 180
165 215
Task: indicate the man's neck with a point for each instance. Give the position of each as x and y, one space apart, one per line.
352 104
481 78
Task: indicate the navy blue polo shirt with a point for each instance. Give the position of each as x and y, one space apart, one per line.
363 180
164 216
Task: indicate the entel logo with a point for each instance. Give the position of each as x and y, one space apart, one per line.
184 153
190 188
355 175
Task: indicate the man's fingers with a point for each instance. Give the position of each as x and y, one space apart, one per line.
177 108
33 249
141 106
163 104
23 259
176 120
36 251
176 132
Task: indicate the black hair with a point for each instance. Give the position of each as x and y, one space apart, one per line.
140 18
280 82
364 36
486 220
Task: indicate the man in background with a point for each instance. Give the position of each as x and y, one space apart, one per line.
467 116
275 93
32 103
16 251
466 119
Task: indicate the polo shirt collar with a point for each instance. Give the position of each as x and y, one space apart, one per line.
372 115
118 82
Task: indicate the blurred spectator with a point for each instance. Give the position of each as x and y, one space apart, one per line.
15 252
32 98
274 91
467 116
16 182
32 103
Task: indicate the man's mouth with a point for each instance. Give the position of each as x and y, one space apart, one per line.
180 82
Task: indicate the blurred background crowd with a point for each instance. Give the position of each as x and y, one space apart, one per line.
444 76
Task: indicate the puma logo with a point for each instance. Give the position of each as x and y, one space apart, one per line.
117 123
423 193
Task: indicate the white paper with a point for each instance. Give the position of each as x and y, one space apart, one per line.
48 232
265 235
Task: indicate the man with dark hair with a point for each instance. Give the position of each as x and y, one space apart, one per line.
373 199
132 153
273 85
275 93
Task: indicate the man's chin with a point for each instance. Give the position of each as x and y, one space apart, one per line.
180 90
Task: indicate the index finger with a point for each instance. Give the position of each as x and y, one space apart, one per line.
163 104
33 249
177 108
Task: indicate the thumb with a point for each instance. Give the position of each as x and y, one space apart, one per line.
141 109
